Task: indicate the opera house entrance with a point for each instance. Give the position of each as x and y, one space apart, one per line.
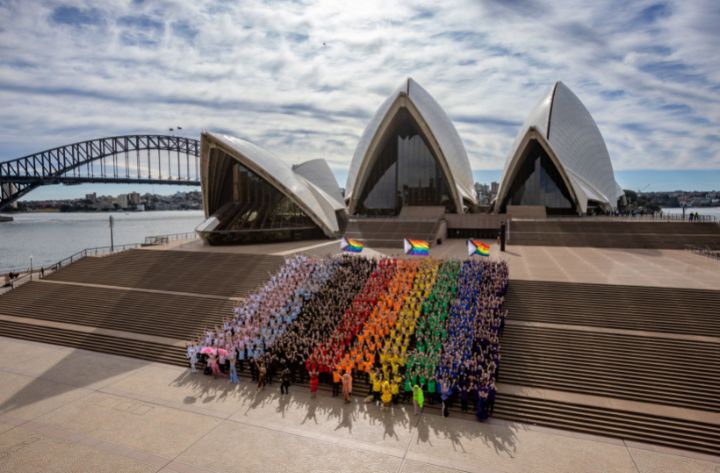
405 173
538 182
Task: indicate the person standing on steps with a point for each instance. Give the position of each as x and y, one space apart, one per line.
285 380
262 375
314 381
347 386
418 399
336 379
233 367
192 356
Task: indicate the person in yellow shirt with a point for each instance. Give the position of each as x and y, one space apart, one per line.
376 381
386 396
395 389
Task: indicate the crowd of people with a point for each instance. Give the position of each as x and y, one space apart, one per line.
319 316
431 333
362 355
393 357
471 353
414 329
328 353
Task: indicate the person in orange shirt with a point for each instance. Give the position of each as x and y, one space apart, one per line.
336 379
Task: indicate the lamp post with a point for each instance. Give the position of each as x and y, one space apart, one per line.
112 240
31 267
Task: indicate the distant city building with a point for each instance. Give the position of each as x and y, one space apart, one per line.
494 186
482 193
91 198
134 198
122 201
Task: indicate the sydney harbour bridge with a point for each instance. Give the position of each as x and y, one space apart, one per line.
130 159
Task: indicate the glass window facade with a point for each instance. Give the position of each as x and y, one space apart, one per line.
254 210
404 173
538 182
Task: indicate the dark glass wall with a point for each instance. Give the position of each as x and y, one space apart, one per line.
254 210
405 173
538 182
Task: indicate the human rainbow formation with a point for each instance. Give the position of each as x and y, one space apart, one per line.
420 329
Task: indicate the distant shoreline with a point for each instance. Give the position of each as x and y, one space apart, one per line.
56 210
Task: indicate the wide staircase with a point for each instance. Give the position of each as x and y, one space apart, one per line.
220 274
174 316
419 223
634 362
615 234
139 303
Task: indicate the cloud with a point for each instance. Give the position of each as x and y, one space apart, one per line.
303 78
76 17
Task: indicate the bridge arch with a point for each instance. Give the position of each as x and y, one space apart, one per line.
127 159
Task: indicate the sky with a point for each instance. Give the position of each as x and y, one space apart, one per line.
303 78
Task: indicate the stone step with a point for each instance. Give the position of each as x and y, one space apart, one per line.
220 274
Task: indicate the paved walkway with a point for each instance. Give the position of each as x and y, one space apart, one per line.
636 267
71 410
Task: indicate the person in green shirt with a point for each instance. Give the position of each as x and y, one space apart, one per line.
431 389
418 399
407 390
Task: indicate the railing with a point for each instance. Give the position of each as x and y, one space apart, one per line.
96 251
163 239
25 273
704 251
664 217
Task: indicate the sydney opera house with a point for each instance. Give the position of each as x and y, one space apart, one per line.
410 163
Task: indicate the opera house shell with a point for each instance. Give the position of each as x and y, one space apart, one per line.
250 195
410 157
410 154
559 160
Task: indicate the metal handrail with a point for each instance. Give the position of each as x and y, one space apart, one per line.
627 218
95 251
100 250
704 251
167 237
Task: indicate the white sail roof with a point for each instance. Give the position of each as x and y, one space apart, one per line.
573 137
318 172
439 125
315 201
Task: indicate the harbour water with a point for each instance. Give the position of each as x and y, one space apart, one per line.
710 211
50 237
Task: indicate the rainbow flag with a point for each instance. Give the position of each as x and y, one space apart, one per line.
476 247
416 247
350 245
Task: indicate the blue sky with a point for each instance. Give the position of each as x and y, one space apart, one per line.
302 78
